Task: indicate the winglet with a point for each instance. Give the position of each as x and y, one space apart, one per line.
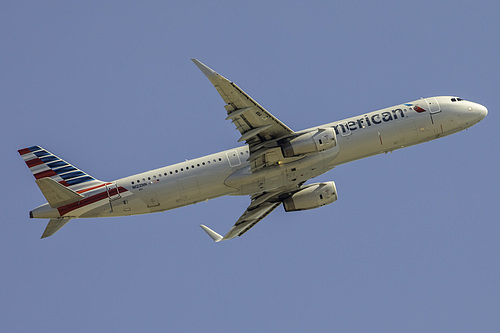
215 236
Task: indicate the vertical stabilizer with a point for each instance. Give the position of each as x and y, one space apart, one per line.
44 164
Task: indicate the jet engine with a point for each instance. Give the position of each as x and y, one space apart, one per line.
311 196
310 142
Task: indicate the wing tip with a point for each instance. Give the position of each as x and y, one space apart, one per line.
209 72
215 236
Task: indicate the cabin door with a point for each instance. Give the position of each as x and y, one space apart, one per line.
113 192
433 105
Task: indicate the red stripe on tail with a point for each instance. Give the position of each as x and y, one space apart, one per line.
43 174
34 162
24 151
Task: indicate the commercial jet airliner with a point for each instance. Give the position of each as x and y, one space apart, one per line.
272 168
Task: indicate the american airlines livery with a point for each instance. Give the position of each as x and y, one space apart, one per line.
272 168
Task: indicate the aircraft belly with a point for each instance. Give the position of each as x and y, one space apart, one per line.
247 182
98 209
185 191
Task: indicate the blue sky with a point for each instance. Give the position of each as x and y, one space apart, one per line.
410 246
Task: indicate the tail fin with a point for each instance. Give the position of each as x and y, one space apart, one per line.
44 164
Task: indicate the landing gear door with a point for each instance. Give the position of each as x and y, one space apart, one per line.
433 105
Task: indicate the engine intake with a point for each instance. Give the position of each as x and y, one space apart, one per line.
311 196
310 142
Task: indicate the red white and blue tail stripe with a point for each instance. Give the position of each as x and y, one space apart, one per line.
43 164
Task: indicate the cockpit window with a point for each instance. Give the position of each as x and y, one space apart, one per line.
457 99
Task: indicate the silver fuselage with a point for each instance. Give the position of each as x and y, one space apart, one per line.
229 173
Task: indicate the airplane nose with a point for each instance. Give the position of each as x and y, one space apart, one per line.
482 110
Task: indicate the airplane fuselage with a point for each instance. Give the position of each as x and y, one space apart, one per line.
229 172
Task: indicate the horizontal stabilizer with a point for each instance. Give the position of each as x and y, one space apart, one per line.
54 225
215 236
57 195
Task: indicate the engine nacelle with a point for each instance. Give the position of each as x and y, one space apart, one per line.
311 196
311 142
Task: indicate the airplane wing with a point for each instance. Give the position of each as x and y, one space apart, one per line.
255 123
261 131
262 204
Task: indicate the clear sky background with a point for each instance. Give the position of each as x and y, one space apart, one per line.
412 244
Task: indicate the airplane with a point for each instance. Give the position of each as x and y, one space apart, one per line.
272 167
